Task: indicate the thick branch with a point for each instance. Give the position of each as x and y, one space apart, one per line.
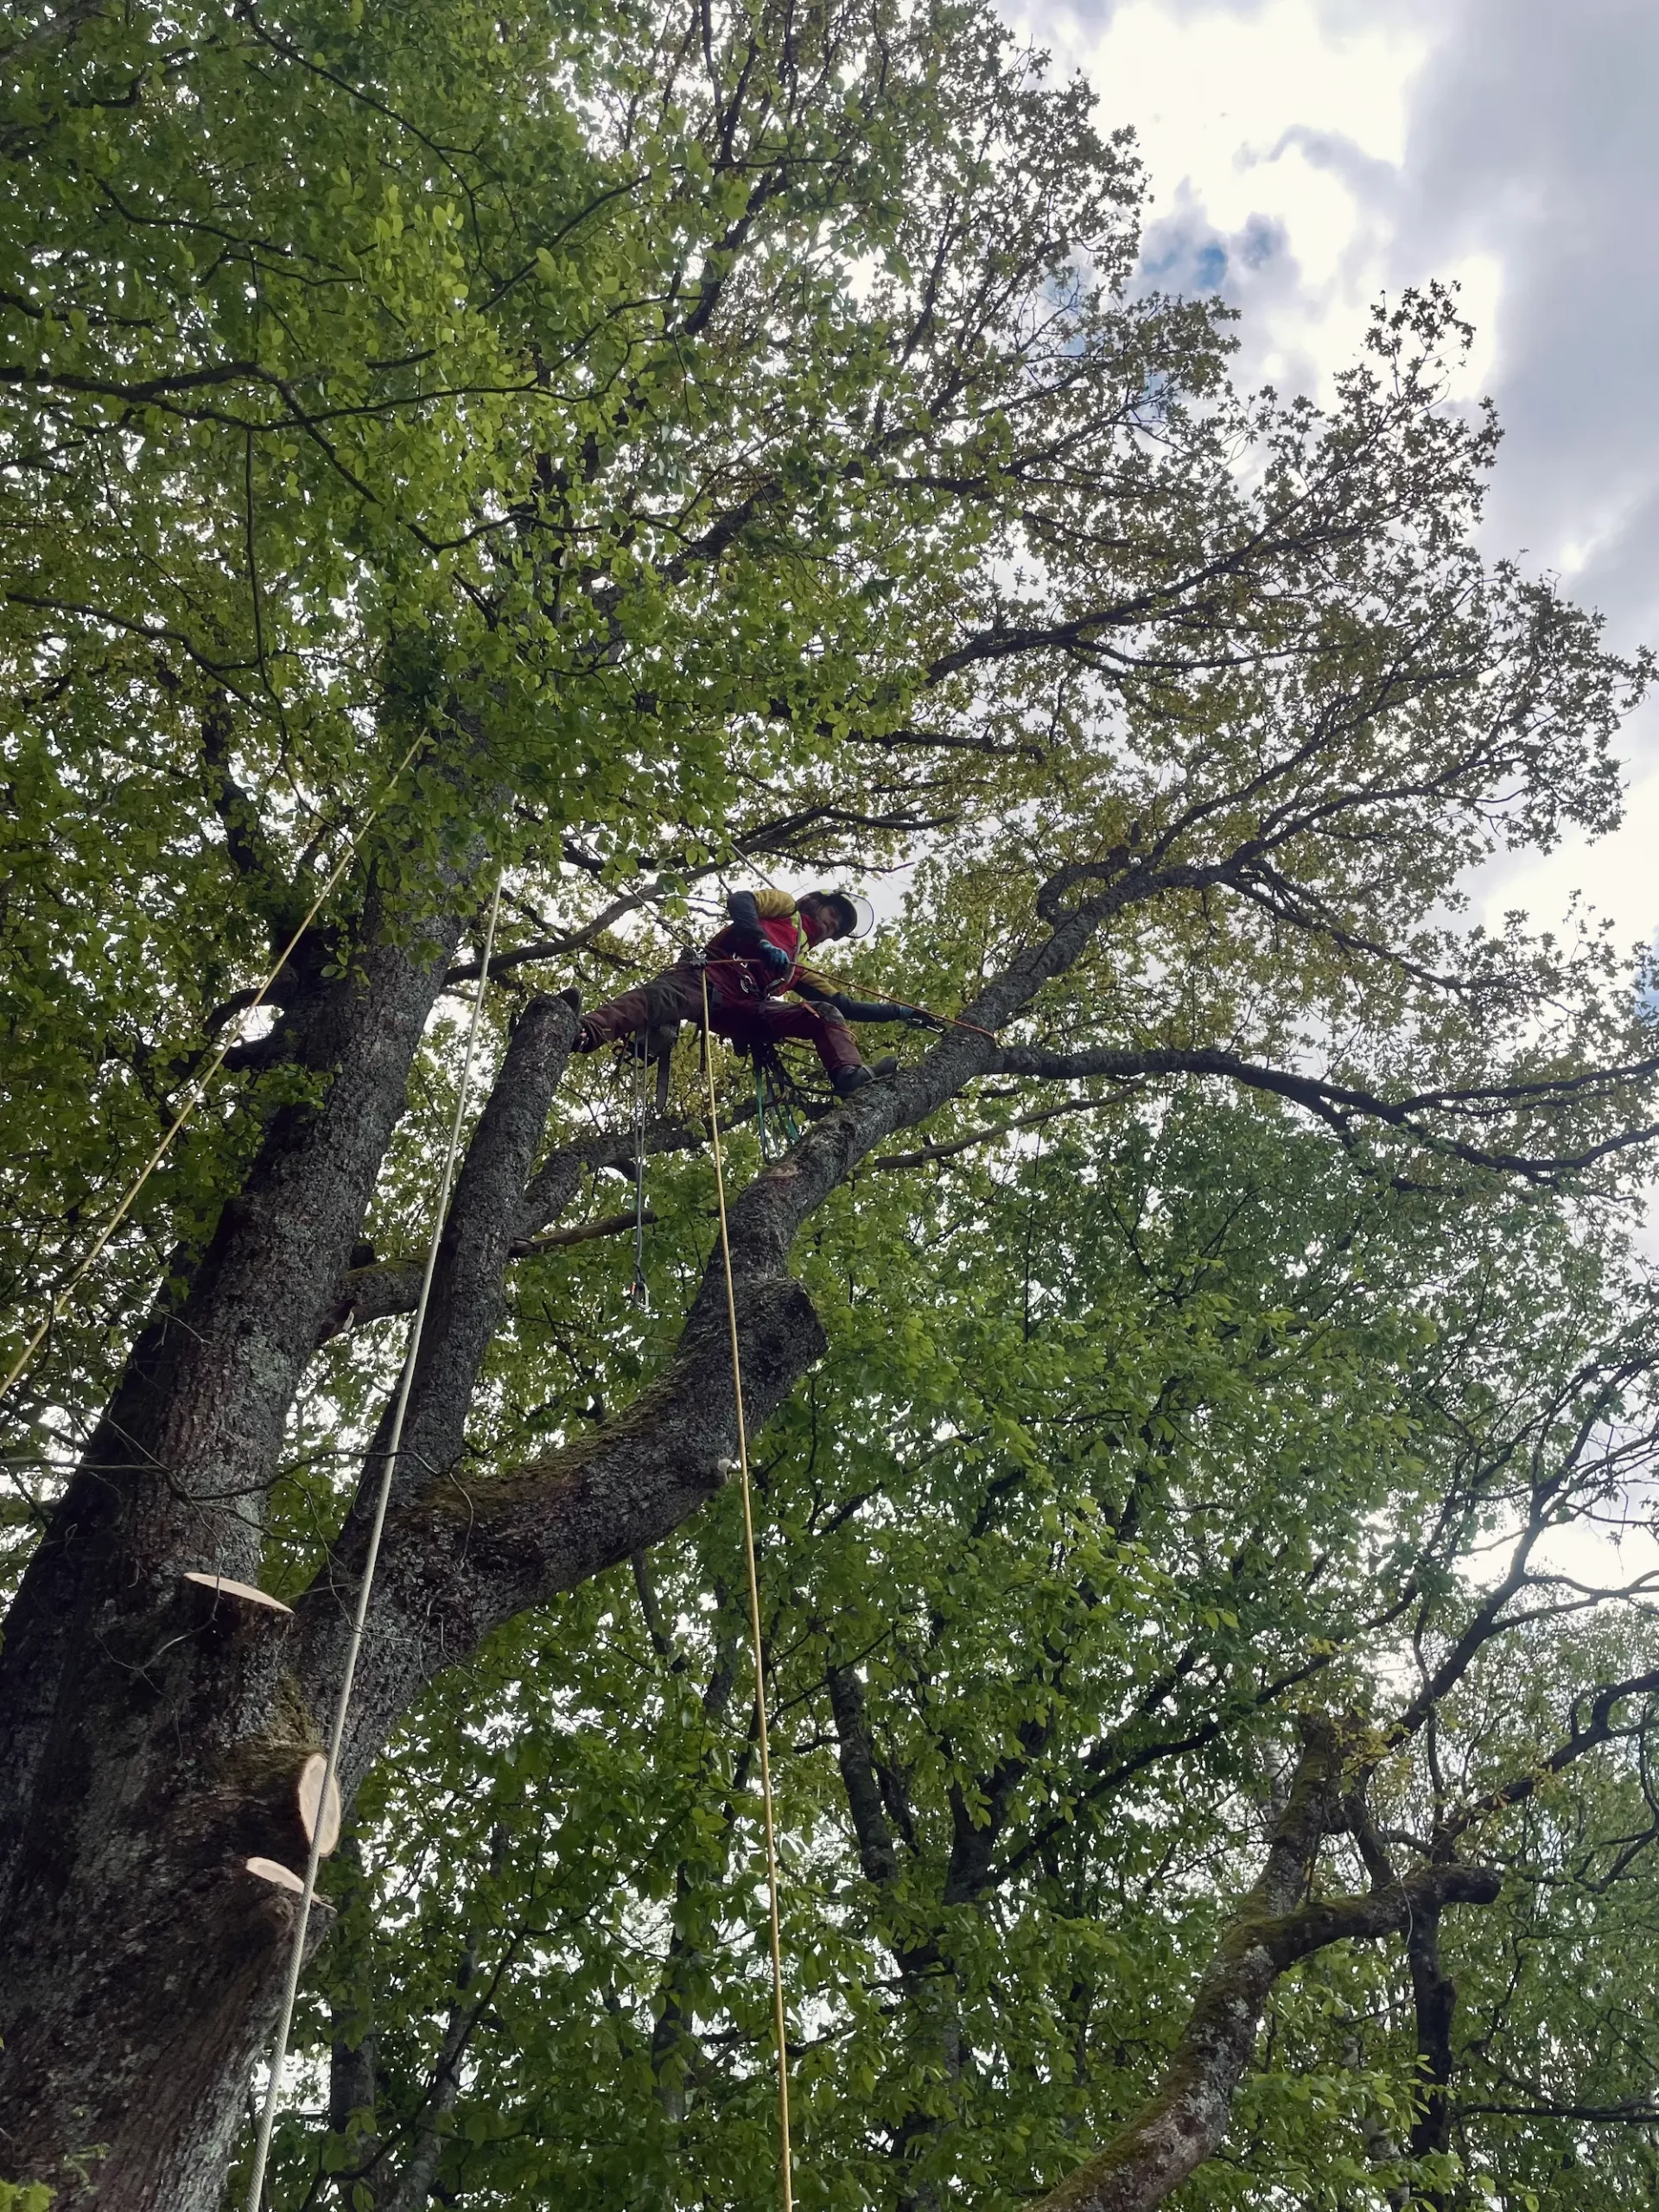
1342 1106
674 2046
485 1221
391 1287
877 1854
1434 2000
250 852
462 1559
468 1558
195 1426
1184 2122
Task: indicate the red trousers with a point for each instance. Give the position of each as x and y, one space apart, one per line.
676 995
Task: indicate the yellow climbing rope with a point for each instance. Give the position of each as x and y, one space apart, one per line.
198 1087
59 1303
780 2027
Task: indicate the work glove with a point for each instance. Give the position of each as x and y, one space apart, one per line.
774 955
916 1017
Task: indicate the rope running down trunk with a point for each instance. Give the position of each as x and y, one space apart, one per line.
301 1918
779 2025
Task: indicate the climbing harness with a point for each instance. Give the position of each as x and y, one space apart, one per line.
863 924
779 2025
745 984
371 1560
197 1086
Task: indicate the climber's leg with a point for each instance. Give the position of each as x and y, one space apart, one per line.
824 1028
619 1017
663 1003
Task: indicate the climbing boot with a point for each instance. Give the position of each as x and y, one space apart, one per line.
847 1080
584 1040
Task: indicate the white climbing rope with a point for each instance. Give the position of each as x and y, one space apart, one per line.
639 1289
371 1559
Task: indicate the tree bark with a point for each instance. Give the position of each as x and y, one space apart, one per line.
154 1733
1185 2121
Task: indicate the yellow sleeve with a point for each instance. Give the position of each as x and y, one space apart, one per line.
772 905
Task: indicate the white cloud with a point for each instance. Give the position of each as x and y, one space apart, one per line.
1269 135
1306 155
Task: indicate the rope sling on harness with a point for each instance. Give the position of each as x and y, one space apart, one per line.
774 1083
760 1108
371 1560
779 2025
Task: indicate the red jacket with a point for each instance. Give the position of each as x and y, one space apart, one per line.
736 972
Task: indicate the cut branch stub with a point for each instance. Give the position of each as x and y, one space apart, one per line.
273 1870
311 1797
244 1592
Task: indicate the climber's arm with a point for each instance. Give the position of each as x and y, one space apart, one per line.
852 1009
747 910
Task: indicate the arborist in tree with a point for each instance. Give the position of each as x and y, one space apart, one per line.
749 965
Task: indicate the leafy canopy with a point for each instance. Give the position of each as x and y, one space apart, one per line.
736 439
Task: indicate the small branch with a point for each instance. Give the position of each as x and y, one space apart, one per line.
410 2191
955 1145
1597 1730
557 1179
1632 2115
63 25
555 948
580 1232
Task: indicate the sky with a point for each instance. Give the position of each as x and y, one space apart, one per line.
1308 156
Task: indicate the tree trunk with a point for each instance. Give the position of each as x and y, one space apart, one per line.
929 2010
154 1731
1434 1998
155 1727
1185 2121
674 2050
